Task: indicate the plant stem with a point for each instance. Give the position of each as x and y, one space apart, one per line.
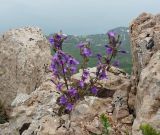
64 76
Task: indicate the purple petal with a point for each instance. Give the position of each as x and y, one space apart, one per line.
69 107
86 52
94 90
81 84
59 86
81 45
72 91
109 50
51 40
73 70
111 34
63 100
85 75
103 75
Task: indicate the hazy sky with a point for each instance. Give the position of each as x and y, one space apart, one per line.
73 16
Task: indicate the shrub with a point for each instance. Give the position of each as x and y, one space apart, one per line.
148 130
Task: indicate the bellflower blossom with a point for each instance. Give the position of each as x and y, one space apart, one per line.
81 84
85 50
111 34
103 75
109 50
62 61
72 91
94 90
59 86
63 100
56 41
85 74
69 106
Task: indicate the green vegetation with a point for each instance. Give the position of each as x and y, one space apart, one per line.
105 123
3 115
148 130
98 42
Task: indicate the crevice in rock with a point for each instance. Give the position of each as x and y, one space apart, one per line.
24 127
105 93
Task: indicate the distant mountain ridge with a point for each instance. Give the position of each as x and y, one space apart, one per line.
98 42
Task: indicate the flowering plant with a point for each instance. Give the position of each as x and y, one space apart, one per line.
64 66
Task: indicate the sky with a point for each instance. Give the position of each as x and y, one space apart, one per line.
78 17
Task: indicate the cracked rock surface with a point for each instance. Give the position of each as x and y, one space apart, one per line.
24 59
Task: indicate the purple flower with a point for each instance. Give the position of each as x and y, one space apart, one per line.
73 70
58 37
55 58
81 45
69 107
116 63
99 57
73 61
86 52
94 90
59 86
81 84
63 100
85 75
72 91
51 40
109 50
111 34
103 75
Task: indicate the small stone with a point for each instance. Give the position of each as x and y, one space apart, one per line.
109 109
128 120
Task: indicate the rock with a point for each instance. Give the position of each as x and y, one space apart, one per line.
116 81
20 98
120 104
145 39
35 108
38 114
24 58
87 108
148 95
128 120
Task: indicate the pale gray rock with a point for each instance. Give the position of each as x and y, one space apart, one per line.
25 58
145 91
20 98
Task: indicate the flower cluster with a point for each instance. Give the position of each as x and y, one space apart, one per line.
112 48
57 40
64 66
85 50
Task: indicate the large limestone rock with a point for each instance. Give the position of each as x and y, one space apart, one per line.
145 40
24 59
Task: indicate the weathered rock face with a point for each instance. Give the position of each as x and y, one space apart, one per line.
38 114
24 59
145 38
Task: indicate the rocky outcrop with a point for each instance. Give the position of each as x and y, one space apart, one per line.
38 114
25 56
145 40
24 59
